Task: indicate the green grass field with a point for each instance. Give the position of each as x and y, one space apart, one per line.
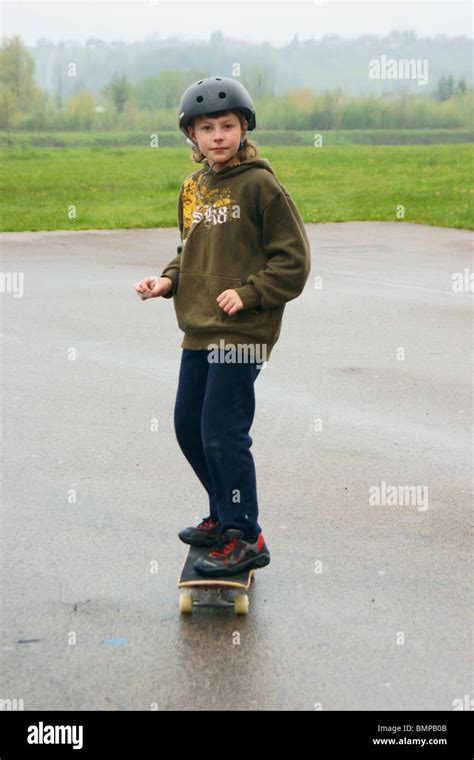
174 139
129 187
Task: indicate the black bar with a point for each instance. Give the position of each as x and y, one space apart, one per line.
446 734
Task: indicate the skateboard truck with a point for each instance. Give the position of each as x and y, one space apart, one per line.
190 581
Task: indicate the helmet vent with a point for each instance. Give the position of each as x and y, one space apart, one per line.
222 94
199 99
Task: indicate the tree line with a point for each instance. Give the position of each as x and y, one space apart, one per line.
152 103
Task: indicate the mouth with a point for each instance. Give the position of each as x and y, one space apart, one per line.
219 149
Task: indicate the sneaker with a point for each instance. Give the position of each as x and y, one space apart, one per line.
232 554
205 534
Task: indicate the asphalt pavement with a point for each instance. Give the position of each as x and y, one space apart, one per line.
363 451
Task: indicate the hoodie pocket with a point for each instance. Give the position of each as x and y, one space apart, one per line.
254 323
195 301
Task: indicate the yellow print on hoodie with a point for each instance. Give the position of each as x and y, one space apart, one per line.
201 204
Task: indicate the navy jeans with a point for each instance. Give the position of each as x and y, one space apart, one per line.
214 410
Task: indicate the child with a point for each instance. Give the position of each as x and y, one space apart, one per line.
244 253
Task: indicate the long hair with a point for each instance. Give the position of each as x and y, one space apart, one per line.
248 150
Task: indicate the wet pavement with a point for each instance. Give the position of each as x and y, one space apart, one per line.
363 451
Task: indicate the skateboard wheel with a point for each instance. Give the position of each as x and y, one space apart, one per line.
241 604
185 602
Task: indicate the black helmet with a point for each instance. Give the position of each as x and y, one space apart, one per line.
212 95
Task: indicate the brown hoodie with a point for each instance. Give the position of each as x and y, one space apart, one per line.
240 229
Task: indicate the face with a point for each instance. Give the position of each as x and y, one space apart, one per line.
218 138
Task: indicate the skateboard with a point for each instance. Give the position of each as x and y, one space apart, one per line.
191 580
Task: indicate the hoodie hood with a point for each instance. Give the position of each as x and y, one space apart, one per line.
232 171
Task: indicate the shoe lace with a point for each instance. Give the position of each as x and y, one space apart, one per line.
223 546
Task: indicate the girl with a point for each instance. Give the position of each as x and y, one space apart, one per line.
244 253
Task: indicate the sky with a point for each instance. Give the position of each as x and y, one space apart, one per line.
268 20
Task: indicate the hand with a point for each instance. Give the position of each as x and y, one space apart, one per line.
152 287
230 301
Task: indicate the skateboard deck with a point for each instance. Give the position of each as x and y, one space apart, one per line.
191 580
